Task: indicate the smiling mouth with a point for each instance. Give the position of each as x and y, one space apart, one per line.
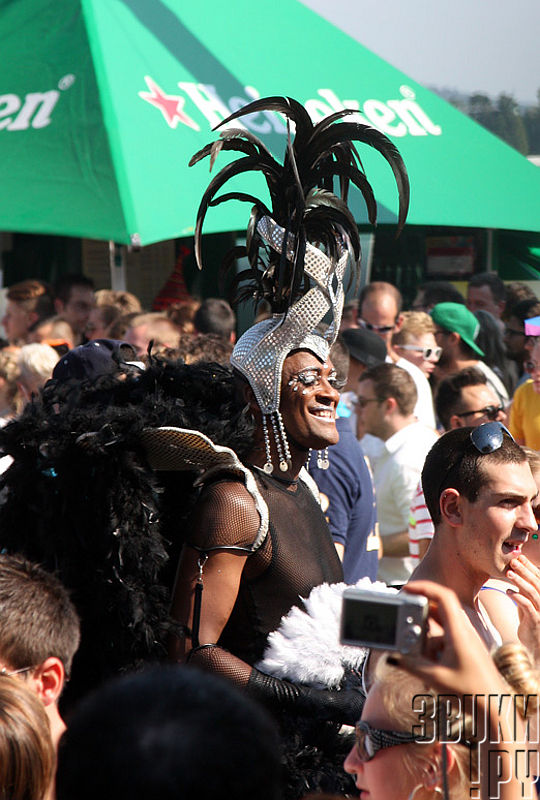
324 414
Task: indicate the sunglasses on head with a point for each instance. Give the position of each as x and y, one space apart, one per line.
491 412
370 740
486 438
427 352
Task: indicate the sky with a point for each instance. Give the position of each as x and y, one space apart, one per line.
485 46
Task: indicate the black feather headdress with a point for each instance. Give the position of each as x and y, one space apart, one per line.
302 197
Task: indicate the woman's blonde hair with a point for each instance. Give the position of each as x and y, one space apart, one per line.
515 664
399 690
27 756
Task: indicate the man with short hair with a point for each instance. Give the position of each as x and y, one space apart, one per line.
74 300
456 332
463 399
215 315
478 487
40 632
386 400
518 344
379 309
433 292
486 292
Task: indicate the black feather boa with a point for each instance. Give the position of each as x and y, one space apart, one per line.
89 508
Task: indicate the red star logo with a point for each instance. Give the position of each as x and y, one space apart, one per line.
170 105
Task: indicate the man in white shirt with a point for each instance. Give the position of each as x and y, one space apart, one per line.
379 310
386 401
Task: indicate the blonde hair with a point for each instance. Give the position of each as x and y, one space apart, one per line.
415 323
36 363
10 371
27 757
159 328
125 302
515 664
398 690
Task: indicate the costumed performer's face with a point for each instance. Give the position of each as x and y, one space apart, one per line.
309 400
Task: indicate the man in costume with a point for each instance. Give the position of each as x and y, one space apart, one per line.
253 550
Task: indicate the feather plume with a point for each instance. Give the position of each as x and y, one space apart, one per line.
302 194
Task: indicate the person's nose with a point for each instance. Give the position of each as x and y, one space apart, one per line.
502 416
527 520
352 764
327 393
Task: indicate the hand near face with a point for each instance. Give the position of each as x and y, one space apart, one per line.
526 577
454 659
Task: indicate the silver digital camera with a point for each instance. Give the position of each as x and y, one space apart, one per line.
384 621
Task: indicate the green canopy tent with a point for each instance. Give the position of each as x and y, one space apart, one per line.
103 103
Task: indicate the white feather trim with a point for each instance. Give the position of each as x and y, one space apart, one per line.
306 648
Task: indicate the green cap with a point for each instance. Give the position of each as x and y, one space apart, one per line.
457 318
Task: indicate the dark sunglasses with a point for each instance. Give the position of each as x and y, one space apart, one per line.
370 740
490 412
375 328
486 438
531 367
513 332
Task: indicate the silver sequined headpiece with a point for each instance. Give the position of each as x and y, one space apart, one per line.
259 354
302 283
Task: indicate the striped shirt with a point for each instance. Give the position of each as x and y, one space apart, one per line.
420 522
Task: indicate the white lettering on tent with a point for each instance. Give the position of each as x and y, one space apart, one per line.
37 109
381 117
9 104
209 103
414 117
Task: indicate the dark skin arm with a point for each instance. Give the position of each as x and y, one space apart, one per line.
223 569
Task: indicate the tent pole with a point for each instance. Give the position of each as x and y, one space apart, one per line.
365 276
117 264
489 251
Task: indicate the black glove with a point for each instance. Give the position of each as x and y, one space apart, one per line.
343 706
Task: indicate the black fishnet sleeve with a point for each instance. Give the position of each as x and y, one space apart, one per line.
343 706
224 518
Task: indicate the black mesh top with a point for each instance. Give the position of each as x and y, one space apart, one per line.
297 555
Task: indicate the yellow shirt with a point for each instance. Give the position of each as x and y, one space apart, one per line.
525 416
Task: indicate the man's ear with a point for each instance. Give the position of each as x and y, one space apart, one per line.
249 398
398 323
58 305
49 680
450 505
456 422
390 405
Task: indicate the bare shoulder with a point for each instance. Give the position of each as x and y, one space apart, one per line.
225 514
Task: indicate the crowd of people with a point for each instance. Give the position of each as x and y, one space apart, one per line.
181 511
384 490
